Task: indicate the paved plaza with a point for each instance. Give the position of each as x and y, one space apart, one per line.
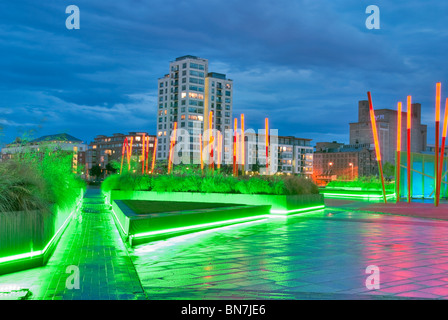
319 255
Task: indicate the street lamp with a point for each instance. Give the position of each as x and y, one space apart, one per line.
351 165
329 167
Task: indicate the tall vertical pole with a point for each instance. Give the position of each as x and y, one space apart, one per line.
409 164
154 156
442 150
143 154
436 153
243 151
125 143
173 142
147 154
129 153
234 145
398 162
377 144
237 136
266 125
210 139
219 155
200 153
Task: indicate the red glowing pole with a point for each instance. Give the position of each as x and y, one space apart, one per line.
442 150
436 154
266 124
398 164
147 155
409 124
243 151
143 154
129 153
173 141
154 156
234 145
377 144
125 142
200 152
210 135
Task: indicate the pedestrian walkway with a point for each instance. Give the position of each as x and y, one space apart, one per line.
92 245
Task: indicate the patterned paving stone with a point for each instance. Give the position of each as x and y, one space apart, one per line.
93 246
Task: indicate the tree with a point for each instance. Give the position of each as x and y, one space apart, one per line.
388 171
96 171
110 168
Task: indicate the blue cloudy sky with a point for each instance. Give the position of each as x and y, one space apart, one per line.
302 63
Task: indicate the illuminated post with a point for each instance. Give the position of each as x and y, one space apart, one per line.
219 153
173 142
210 139
143 154
377 144
442 150
243 151
398 164
236 154
129 154
266 124
154 156
234 145
200 152
409 111
125 142
351 165
147 155
436 153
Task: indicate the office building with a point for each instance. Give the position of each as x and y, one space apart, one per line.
386 119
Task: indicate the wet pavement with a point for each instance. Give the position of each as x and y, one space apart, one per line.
322 255
90 263
319 255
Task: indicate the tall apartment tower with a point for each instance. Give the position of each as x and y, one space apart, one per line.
187 95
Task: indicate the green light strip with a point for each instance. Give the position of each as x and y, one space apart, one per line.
119 221
39 252
297 210
205 225
349 195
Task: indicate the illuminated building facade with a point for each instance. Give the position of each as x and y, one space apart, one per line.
187 95
294 155
333 160
105 149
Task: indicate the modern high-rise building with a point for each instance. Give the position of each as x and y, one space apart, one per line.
186 96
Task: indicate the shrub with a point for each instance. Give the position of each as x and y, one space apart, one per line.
36 180
211 183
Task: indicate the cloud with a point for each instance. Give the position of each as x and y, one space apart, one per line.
304 64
